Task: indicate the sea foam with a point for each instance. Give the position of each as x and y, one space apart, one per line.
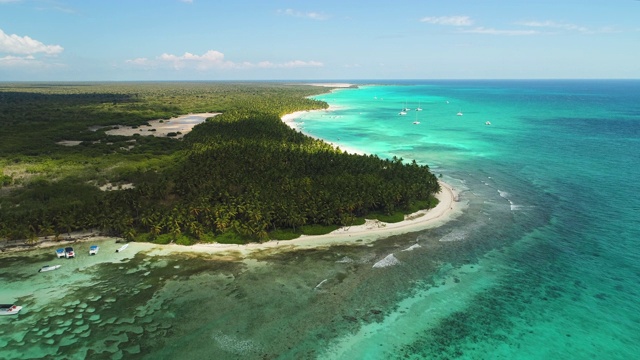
389 260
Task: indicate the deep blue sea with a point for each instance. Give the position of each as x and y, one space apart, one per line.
544 262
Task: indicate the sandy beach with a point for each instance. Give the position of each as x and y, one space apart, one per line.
291 121
181 124
447 209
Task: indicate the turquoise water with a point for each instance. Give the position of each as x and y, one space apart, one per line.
543 263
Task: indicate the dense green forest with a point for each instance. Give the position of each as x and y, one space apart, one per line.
241 176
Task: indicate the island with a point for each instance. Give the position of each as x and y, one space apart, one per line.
240 176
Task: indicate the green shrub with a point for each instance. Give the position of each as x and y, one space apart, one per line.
286 234
163 239
231 237
184 240
318 229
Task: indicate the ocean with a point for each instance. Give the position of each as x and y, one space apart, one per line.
543 263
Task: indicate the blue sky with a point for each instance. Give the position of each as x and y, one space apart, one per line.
114 40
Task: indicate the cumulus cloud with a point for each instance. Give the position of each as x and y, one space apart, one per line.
14 44
17 60
448 20
213 59
300 14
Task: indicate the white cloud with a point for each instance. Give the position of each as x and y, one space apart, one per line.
213 59
17 61
210 59
187 1
309 15
139 61
567 27
14 44
555 25
490 31
448 20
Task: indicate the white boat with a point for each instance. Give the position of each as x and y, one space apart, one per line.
488 123
93 249
121 248
60 253
49 268
459 113
9 309
69 253
402 112
416 122
418 108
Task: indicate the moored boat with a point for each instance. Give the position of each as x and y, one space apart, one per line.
9 309
93 249
69 253
60 253
49 268
122 248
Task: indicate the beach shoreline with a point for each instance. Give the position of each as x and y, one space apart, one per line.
448 207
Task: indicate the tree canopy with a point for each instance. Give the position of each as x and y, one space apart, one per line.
240 176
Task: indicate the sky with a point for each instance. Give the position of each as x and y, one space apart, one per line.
140 40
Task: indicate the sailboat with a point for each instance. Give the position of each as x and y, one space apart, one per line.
418 108
416 122
459 113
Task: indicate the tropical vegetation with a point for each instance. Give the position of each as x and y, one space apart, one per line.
240 176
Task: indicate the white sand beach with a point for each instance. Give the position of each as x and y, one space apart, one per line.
291 121
181 124
333 85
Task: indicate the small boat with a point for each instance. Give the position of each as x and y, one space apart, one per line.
418 108
402 112
416 122
69 253
9 309
488 123
459 113
121 248
93 249
49 268
60 253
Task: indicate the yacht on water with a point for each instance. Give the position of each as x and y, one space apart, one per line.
49 268
9 309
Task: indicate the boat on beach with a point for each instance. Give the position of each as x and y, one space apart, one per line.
121 248
60 253
9 309
49 268
69 253
93 249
